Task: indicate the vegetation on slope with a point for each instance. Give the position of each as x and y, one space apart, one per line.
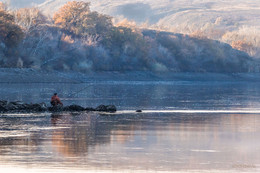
79 39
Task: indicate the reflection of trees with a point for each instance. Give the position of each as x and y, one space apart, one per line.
74 137
88 130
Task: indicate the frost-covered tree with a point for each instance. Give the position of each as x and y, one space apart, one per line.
11 34
29 19
77 19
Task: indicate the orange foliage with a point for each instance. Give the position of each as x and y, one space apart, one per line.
77 19
241 45
71 13
198 34
126 23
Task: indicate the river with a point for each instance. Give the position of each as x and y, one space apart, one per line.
184 127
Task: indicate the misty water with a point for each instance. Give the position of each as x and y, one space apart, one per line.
183 128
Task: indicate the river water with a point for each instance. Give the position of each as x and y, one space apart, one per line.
184 127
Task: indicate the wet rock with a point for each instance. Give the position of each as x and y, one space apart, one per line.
74 108
39 107
18 103
111 108
18 106
11 106
101 108
3 103
90 109
2 108
138 110
104 108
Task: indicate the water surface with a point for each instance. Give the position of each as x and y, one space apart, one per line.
172 134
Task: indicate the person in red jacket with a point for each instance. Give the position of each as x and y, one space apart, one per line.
55 100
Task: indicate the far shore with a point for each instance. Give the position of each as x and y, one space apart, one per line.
28 75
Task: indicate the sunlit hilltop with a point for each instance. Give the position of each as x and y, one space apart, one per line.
235 22
159 36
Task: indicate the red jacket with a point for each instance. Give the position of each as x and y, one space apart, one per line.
56 99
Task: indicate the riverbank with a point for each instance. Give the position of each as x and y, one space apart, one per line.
15 75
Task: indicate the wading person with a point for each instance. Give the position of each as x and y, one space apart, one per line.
55 100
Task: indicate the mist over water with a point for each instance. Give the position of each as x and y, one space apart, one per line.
149 141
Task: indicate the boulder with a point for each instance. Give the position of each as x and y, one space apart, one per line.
90 109
3 108
104 108
39 107
17 103
11 106
3 103
101 108
74 108
111 108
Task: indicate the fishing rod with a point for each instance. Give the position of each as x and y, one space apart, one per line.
79 91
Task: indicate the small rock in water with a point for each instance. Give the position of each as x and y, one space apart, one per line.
138 110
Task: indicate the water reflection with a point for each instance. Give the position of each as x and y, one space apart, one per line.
134 141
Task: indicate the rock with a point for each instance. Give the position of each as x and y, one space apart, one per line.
11 106
39 107
90 109
18 106
2 109
17 103
21 106
108 108
138 110
3 103
43 105
74 108
101 108
111 108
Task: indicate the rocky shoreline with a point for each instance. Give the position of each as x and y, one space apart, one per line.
21 107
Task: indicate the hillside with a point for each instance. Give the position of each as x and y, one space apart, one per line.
235 22
92 42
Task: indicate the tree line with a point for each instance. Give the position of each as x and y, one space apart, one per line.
79 39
